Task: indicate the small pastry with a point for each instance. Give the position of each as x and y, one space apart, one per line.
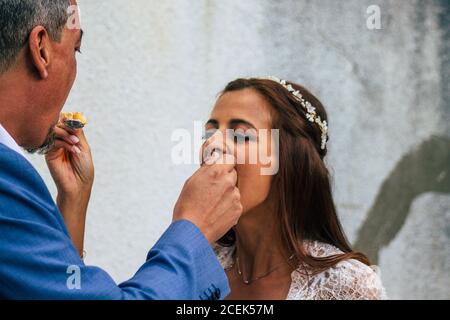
74 120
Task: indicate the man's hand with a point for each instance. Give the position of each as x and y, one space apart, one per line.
71 166
70 162
211 200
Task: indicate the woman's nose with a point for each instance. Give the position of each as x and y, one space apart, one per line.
216 147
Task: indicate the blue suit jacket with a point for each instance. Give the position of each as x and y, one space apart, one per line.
39 261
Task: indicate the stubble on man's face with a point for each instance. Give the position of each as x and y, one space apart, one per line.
47 145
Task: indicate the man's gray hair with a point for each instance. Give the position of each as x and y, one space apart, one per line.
19 17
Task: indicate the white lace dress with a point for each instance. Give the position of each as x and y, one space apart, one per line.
348 280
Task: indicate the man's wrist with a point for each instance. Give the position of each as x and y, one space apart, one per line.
199 226
75 196
73 203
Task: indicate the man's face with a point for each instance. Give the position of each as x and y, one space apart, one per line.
56 88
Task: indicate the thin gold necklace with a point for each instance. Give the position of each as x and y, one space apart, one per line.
250 281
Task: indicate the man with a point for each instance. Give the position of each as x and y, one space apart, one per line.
38 248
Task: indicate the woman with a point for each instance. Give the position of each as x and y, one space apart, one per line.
289 243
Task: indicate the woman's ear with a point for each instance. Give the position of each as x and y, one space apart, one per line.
40 50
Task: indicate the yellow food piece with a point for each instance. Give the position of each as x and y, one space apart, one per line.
80 117
67 115
74 116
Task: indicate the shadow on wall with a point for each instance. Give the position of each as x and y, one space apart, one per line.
425 169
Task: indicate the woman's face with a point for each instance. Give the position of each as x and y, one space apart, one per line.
248 115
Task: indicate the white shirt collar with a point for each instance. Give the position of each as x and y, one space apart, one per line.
8 141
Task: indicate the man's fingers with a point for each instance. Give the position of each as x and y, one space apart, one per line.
62 144
63 126
230 205
232 177
74 135
66 136
226 159
224 163
212 159
83 141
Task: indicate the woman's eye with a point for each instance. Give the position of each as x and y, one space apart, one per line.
208 134
78 50
242 138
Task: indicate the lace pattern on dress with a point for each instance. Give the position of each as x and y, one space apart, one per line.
348 280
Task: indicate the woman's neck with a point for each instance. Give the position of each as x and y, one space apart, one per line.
258 245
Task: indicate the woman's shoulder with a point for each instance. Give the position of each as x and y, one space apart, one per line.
347 280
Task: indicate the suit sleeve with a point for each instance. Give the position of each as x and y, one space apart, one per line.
39 261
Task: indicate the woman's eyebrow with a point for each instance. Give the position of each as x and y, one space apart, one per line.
213 122
235 122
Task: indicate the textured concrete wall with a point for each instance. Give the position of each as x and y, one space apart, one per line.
149 67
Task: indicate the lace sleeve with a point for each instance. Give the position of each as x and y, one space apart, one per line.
350 280
224 255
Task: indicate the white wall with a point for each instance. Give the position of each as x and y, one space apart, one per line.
149 67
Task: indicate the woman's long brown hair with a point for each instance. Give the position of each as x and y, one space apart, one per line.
306 210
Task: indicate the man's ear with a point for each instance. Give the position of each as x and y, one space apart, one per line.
40 50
